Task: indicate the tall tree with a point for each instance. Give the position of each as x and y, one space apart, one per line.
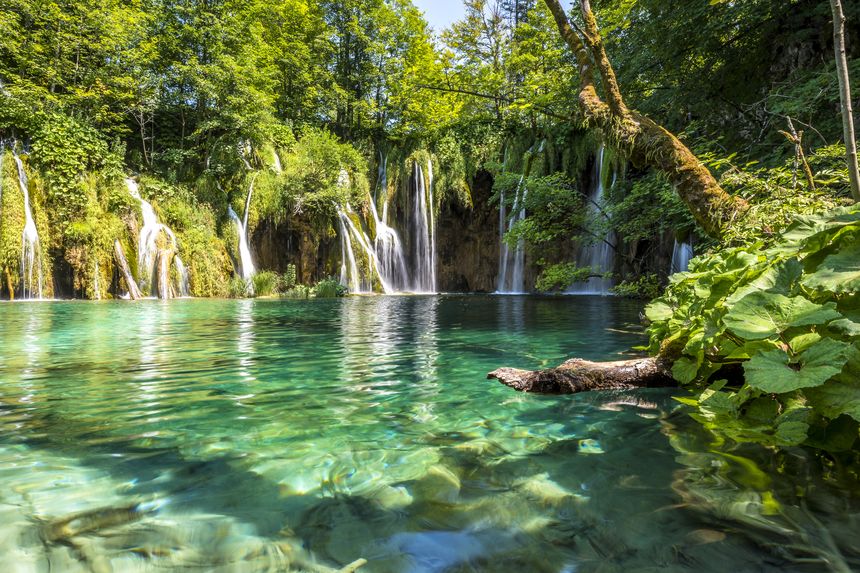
645 142
845 96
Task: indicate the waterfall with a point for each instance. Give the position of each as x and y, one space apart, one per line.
512 282
245 260
276 162
423 249
97 290
149 253
350 235
182 278
599 256
387 246
31 251
681 255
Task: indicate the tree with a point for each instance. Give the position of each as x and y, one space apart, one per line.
643 140
845 96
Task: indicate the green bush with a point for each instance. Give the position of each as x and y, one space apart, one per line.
298 292
645 287
786 316
239 288
288 279
265 283
329 288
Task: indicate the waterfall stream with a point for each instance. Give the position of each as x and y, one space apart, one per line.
512 264
423 233
31 251
600 255
681 255
153 260
246 261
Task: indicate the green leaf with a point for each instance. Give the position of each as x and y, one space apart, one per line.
838 273
792 433
762 314
658 311
772 371
684 370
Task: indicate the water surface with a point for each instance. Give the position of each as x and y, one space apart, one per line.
302 435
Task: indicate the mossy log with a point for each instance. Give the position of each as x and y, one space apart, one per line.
119 254
577 375
645 142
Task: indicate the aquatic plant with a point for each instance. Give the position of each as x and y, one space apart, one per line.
770 334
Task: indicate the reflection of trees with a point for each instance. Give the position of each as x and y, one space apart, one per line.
785 500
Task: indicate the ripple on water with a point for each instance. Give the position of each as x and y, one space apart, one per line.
277 435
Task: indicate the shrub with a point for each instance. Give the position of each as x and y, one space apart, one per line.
239 288
329 288
298 292
265 283
788 317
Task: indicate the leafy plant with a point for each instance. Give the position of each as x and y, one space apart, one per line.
239 288
329 288
265 283
786 317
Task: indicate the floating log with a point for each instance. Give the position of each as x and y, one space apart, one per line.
119 254
577 375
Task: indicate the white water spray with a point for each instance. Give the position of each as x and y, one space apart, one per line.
148 248
31 251
600 255
681 255
246 261
512 264
424 279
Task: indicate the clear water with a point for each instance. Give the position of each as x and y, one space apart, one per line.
210 435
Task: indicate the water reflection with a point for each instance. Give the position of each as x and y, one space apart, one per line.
276 434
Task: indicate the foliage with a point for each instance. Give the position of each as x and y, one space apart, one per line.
301 292
288 279
648 287
787 314
265 283
239 288
329 288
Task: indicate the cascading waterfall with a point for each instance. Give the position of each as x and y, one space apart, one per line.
512 282
246 261
423 234
153 261
31 251
681 255
182 272
276 162
350 235
600 255
387 246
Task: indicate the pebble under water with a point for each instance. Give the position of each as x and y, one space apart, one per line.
215 435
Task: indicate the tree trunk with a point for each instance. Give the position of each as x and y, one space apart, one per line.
845 97
119 254
577 375
643 140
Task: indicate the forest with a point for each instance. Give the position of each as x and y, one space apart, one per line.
667 188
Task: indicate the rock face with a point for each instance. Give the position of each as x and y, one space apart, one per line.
468 243
315 254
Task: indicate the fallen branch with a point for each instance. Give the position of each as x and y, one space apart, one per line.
577 375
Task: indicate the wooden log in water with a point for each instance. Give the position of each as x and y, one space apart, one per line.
119 254
577 375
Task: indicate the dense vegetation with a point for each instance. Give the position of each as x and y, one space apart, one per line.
309 103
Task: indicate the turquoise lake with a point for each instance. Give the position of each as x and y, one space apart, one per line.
268 435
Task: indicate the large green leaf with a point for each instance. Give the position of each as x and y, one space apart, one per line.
658 311
778 278
761 314
774 371
838 273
